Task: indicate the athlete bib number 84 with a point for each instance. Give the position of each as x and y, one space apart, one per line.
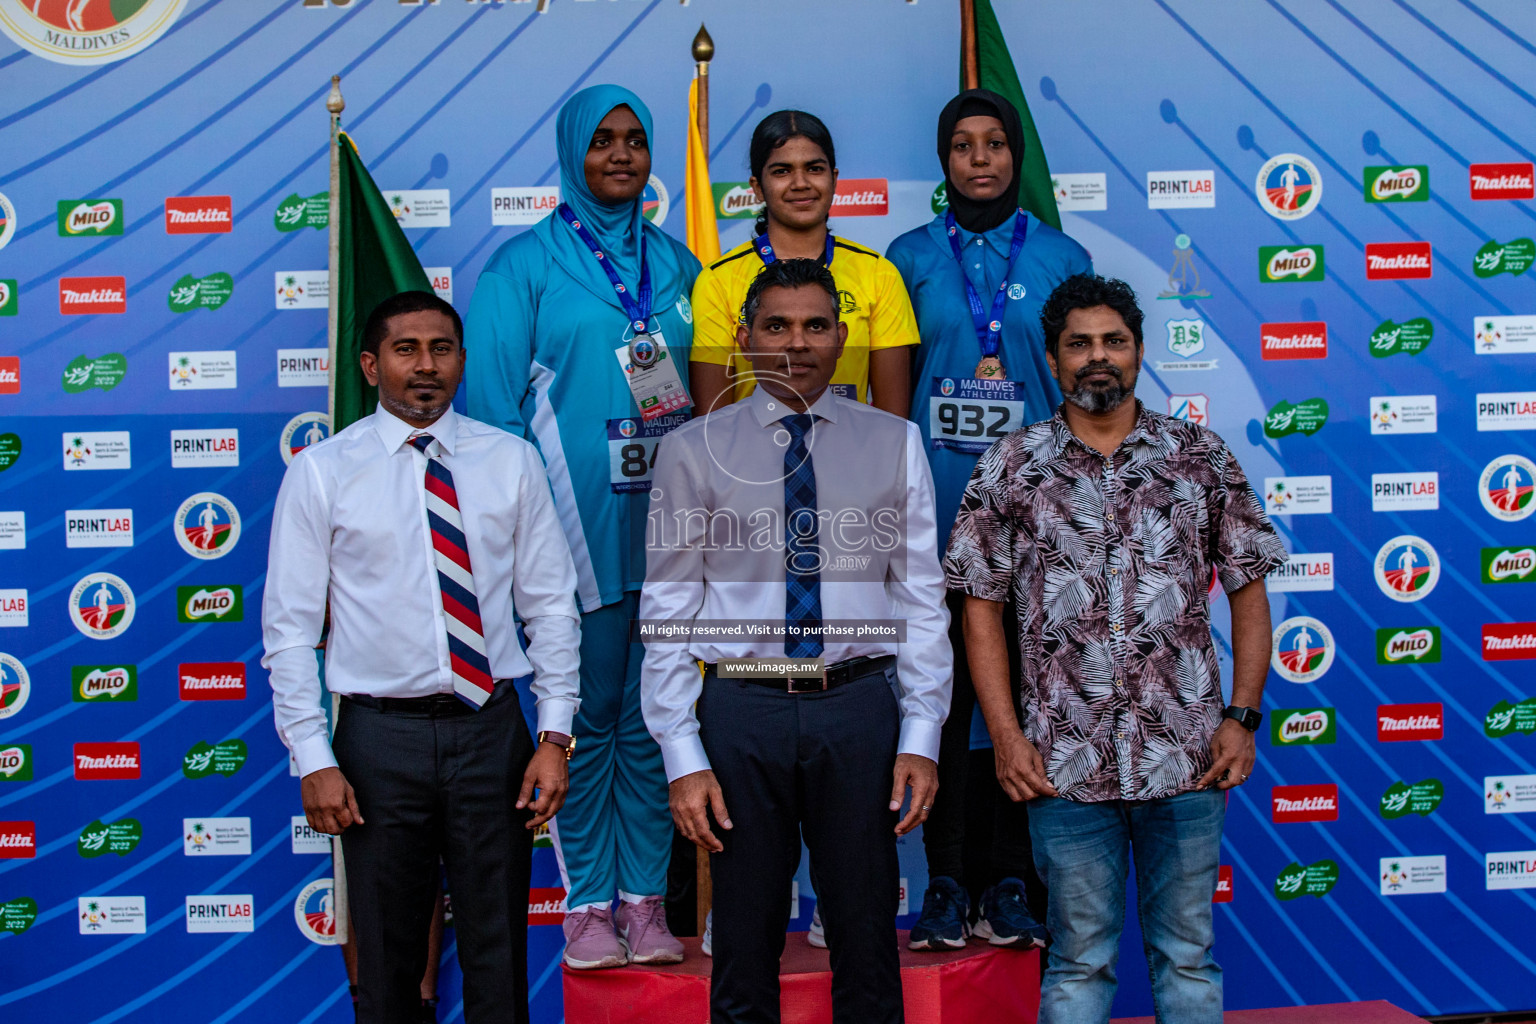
632 444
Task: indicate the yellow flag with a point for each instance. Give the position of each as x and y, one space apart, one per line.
698 197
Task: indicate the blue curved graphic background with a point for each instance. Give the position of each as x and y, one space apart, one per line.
462 96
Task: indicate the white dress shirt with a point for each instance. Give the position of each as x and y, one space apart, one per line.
715 551
351 525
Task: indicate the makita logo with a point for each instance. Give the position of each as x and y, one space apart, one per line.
93 295
214 680
198 215
1502 181
861 197
1509 641
1304 803
546 906
1396 722
1390 261
18 840
1307 340
106 761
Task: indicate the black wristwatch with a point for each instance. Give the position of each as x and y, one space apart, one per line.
1248 718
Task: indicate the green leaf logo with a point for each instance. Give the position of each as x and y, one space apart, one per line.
298 212
120 837
1297 880
1421 798
205 759
1302 418
84 373
1505 718
17 915
10 451
1409 338
1513 258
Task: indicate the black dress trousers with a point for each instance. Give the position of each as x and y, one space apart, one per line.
436 783
817 764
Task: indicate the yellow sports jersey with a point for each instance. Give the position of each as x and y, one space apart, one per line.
874 305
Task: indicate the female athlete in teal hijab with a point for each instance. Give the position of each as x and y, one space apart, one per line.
553 327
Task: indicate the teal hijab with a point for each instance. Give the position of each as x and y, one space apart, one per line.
617 228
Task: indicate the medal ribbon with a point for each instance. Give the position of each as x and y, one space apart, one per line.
765 250
636 307
989 329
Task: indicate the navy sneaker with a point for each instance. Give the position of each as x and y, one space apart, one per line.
1005 918
942 924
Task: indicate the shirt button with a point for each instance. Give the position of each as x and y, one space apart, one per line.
1114 572
1109 518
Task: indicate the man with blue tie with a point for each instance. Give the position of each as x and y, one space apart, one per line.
791 542
427 532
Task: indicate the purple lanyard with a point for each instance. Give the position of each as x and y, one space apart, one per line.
989 329
765 250
639 313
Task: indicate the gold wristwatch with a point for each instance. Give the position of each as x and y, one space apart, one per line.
559 739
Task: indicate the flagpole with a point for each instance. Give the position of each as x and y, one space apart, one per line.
334 105
969 66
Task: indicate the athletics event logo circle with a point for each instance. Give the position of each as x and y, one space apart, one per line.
101 606
1407 568
15 686
1288 186
1508 488
7 219
654 202
87 31
1301 649
314 911
207 525
303 430
946 387
627 428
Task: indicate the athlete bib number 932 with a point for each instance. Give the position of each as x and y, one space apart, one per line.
969 415
632 444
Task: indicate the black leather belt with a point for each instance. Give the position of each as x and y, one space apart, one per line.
834 676
437 705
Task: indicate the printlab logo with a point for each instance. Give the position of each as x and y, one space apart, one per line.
1183 277
15 686
69 32
1504 335
1305 418
104 683
306 839
84 373
314 911
198 215
1278 263
1302 726
1513 870
1407 568
98 528
1407 184
1418 645
1404 414
1290 804
13 608
1288 186
303 368
1397 723
521 207
220 914
1306 572
1509 565
90 217
1506 488
207 525
101 606
1512 258
1421 798
303 430
191 449
1506 410
1176 190
210 604
1404 492
1301 649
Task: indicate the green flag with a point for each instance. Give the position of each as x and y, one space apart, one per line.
995 71
375 261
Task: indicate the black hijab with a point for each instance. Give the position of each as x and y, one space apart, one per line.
969 213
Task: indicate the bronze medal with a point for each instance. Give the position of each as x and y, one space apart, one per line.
990 368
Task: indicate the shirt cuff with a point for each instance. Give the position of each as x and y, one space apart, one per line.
685 755
555 714
920 736
314 754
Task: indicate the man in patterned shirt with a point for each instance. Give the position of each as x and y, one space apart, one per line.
1104 525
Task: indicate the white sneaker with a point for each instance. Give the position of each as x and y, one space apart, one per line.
817 936
707 947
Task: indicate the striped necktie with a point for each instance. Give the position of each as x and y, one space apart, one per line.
802 556
472 680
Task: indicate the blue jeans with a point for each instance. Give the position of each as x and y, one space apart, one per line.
1081 852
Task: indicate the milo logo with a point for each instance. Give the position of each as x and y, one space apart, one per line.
1409 338
1509 565
90 217
1303 263
1421 798
210 604
16 763
1298 880
1302 418
1302 726
1397 184
734 200
205 759
102 684
1418 646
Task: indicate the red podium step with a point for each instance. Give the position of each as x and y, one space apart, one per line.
978 983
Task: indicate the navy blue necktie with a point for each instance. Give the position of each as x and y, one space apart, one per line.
802 555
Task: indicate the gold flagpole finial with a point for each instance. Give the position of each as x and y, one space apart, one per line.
703 46
334 103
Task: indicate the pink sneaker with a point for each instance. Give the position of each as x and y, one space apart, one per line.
642 928
590 941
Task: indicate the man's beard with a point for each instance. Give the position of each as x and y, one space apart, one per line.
403 408
1100 399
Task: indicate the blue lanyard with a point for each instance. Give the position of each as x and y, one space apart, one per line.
639 313
765 250
989 329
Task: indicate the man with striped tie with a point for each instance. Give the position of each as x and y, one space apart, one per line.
791 543
431 535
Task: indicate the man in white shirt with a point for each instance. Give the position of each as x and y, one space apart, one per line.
430 534
796 526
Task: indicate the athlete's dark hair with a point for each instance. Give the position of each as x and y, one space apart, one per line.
1084 291
788 274
377 327
775 130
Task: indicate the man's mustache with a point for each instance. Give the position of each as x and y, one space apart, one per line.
1108 368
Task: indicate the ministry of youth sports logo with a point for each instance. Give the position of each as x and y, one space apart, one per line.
1302 649
303 430
207 525
315 912
1508 487
1407 568
87 31
1288 186
101 606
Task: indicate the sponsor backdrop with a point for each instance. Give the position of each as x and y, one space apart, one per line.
1327 214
